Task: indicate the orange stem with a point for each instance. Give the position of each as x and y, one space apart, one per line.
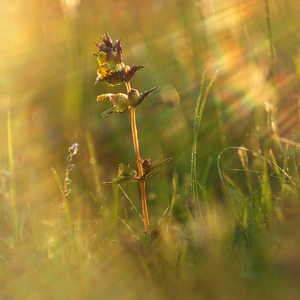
140 169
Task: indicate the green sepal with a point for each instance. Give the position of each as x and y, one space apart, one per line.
125 175
149 169
112 110
131 71
145 94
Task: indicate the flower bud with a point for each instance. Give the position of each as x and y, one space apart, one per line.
133 98
120 102
67 192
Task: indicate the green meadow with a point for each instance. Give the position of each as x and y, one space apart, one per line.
224 212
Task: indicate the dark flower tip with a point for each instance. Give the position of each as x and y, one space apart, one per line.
146 93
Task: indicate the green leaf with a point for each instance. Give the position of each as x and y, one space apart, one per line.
112 110
125 175
150 169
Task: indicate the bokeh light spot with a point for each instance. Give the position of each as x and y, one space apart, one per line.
222 137
183 53
170 95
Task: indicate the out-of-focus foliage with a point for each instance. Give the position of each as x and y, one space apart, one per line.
47 76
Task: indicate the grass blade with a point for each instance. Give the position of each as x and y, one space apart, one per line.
131 203
197 120
94 164
13 178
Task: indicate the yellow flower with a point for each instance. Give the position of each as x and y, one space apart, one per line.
102 58
119 101
109 57
111 68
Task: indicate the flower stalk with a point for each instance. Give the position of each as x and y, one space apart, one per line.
113 71
140 169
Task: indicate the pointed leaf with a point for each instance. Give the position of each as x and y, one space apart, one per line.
146 93
131 71
122 180
125 175
112 110
109 111
126 170
153 168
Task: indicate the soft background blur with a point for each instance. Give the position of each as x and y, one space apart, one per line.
47 76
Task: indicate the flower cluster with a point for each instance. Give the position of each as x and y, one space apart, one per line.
113 71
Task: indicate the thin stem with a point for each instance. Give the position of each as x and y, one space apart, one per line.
270 39
13 179
136 142
64 201
128 86
140 169
144 206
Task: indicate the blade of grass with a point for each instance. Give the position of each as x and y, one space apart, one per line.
94 164
127 226
57 179
13 178
195 134
266 195
255 154
174 184
197 120
131 202
279 178
117 202
270 39
64 200
235 188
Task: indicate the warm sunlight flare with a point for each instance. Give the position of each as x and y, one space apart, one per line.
212 84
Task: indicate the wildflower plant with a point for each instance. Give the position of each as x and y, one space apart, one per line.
113 71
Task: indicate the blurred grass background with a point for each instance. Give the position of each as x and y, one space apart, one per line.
47 77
